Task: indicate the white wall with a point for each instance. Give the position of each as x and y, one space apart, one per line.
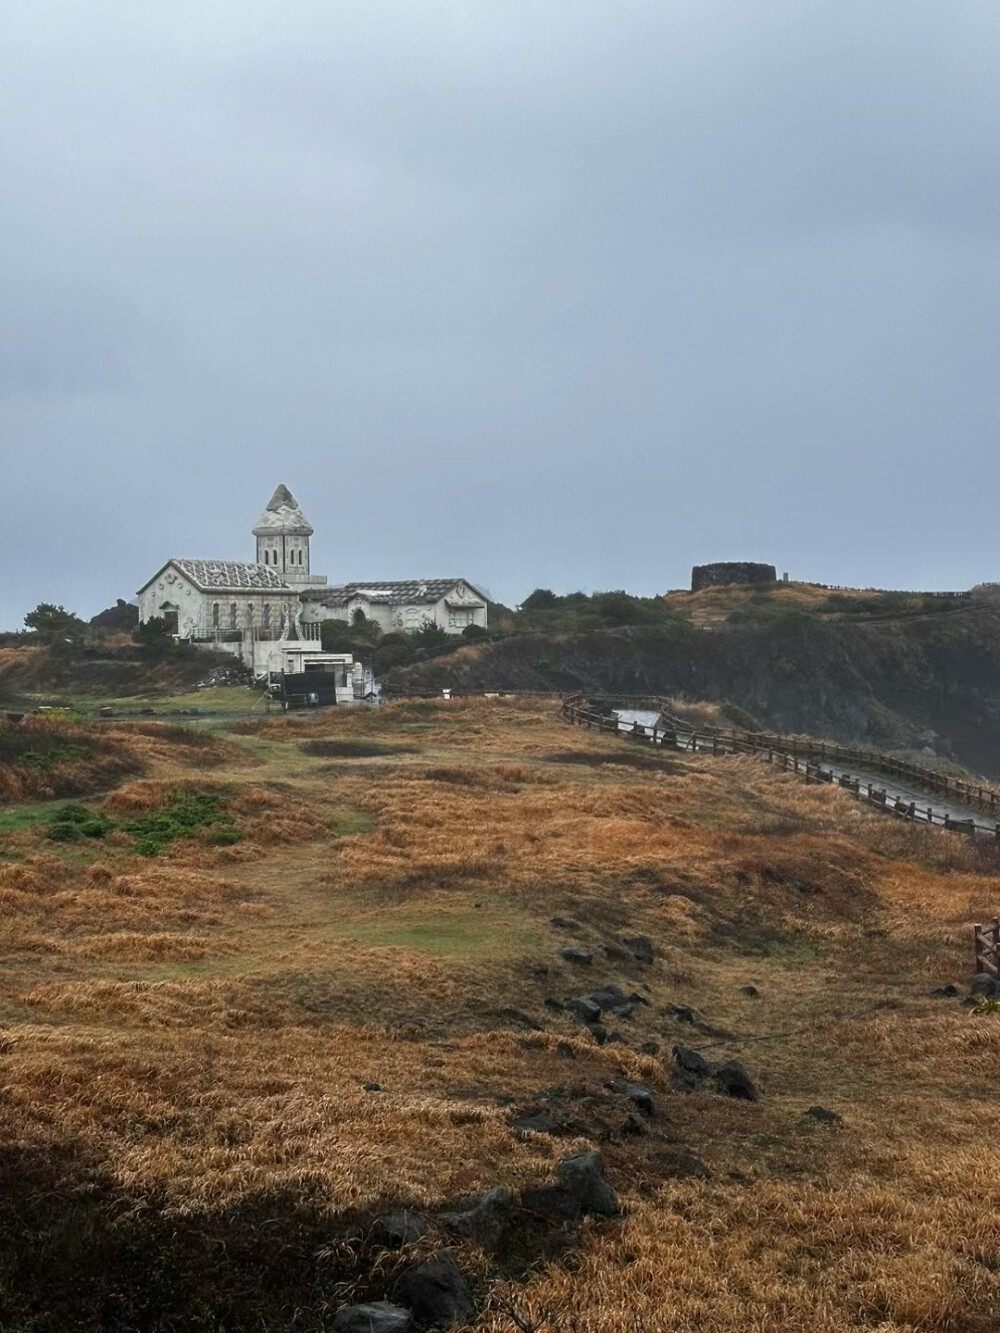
399 616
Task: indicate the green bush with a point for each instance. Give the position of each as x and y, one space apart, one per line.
185 813
73 814
95 828
65 833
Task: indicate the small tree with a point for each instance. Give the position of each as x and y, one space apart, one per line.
393 650
154 636
542 599
337 636
473 632
430 635
54 622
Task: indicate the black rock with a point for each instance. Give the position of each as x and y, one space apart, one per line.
682 1012
641 1097
564 923
574 954
691 1062
400 1228
555 1005
585 1010
945 992
565 1051
581 1174
612 999
650 1047
682 1081
640 946
373 1087
436 1292
601 1035
634 1126
535 1122
732 1080
752 991
985 986
824 1117
483 1220
376 1317
680 1165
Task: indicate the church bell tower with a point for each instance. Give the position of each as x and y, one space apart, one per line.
283 533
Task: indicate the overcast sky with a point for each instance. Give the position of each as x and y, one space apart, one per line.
537 292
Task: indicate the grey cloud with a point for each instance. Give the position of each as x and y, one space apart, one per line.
565 293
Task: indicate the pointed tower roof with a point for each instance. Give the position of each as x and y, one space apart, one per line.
283 515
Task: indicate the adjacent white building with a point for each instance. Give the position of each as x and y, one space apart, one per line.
269 611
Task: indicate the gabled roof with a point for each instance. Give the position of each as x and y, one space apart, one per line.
226 575
390 591
283 515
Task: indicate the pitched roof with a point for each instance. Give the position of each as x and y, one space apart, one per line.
395 591
234 574
283 515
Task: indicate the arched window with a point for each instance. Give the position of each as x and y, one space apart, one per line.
232 615
301 553
265 615
215 615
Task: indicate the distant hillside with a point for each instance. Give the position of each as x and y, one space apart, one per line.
889 671
109 666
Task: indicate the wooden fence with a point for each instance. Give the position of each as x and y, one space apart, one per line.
987 939
798 755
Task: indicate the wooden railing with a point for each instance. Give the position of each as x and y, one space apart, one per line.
800 755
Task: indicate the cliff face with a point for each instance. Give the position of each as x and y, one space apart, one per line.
885 683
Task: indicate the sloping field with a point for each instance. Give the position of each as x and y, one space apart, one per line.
316 974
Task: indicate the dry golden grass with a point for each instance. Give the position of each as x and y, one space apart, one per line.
185 1041
713 605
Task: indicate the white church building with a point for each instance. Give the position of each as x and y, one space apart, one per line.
269 611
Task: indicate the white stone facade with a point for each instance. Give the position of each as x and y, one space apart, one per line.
269 611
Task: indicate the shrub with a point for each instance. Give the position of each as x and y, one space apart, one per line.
65 832
96 828
185 813
73 814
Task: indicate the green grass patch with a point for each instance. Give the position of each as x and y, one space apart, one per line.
460 930
36 747
185 814
348 821
21 817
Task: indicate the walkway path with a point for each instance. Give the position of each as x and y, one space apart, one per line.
906 800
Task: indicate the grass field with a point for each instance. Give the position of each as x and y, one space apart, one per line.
186 1138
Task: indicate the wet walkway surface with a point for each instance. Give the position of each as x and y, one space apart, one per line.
928 807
